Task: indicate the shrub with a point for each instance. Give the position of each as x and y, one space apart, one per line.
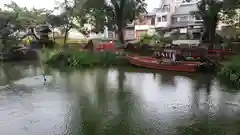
230 72
75 59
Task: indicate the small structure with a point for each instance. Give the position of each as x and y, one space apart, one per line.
41 35
100 44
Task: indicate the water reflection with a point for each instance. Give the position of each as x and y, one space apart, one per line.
113 101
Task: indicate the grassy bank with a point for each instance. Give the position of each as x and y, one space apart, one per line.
60 41
230 72
76 59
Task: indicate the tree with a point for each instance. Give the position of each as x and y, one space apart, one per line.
230 13
55 21
93 13
115 14
70 10
125 11
210 10
28 16
18 18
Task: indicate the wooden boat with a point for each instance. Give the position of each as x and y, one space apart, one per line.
153 63
197 52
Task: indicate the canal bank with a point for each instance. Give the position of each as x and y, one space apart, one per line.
230 72
113 101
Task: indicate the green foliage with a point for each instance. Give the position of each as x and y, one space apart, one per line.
26 17
146 39
230 72
18 18
157 39
76 59
230 12
126 11
226 43
210 13
56 20
115 14
94 13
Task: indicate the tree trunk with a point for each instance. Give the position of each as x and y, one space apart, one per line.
4 41
121 34
65 38
212 34
211 38
54 39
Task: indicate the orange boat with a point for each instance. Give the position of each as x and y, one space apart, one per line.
153 63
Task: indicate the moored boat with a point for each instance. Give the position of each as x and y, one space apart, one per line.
153 63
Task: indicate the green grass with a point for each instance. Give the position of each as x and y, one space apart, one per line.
74 42
76 59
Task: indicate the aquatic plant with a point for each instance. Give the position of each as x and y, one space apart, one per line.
230 72
156 39
76 59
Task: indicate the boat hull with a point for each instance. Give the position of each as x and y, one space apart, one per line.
152 63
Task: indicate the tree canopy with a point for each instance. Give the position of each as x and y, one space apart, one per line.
230 12
211 12
115 14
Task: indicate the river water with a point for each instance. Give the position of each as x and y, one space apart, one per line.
123 101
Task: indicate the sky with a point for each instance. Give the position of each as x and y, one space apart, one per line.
50 4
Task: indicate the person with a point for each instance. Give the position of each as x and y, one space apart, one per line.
174 60
158 56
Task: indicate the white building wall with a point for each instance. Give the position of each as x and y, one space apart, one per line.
165 14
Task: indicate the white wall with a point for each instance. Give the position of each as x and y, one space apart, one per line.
144 27
75 34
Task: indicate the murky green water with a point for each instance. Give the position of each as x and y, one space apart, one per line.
114 102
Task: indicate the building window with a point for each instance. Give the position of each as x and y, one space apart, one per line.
183 18
187 1
164 18
159 19
166 8
153 21
198 17
174 19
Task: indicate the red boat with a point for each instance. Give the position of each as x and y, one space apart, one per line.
153 63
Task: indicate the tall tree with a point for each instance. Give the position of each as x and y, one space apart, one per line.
93 13
125 11
230 13
70 10
55 21
19 18
115 14
210 10
28 16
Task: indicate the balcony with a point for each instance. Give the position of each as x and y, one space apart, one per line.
162 21
161 24
144 27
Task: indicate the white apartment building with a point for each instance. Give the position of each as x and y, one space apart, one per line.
145 24
170 15
159 19
164 14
